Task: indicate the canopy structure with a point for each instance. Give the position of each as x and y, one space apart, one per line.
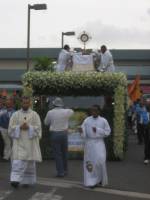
86 84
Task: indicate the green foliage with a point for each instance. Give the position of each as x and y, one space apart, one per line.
77 119
27 90
44 64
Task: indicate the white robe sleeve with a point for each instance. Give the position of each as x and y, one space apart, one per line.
83 126
35 129
14 127
103 132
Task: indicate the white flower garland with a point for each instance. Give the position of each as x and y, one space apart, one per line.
119 122
58 83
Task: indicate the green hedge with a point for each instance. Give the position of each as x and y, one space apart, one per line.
86 84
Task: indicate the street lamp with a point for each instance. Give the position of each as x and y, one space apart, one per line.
34 7
66 33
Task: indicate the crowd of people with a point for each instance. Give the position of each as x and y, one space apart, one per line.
102 59
21 131
139 123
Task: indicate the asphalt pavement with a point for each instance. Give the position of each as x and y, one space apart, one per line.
128 179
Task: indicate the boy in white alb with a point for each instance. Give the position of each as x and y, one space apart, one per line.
94 129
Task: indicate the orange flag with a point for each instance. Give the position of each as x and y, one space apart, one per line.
134 89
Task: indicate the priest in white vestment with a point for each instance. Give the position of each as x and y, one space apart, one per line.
25 132
94 129
106 60
64 59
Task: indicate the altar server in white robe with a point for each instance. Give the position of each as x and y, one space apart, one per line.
94 129
106 60
64 59
25 131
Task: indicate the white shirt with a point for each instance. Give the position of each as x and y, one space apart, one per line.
58 118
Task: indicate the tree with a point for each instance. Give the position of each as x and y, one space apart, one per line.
44 64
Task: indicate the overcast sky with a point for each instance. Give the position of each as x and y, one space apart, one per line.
120 24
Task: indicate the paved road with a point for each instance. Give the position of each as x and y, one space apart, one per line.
128 179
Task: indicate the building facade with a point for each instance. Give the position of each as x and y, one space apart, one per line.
13 64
